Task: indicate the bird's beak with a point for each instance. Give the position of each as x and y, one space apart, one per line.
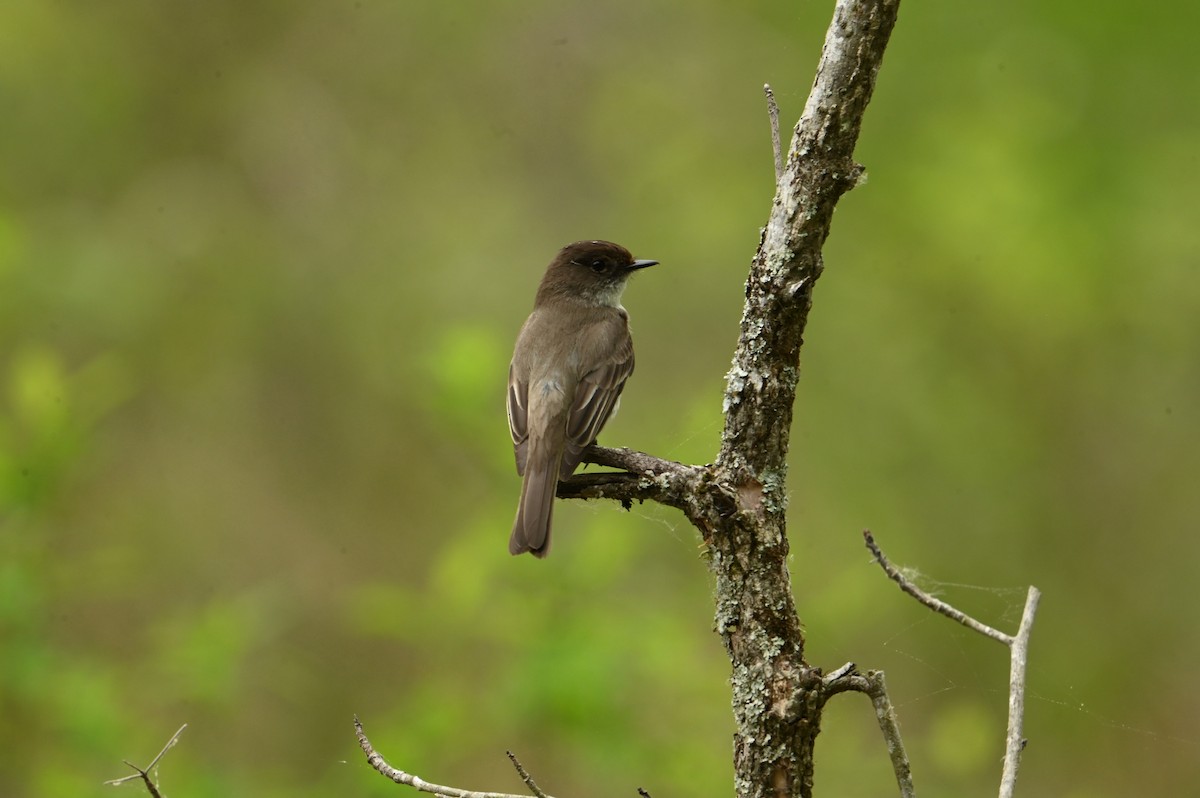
641 264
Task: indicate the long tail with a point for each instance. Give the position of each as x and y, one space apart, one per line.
531 529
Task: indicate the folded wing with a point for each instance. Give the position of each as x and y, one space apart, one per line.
595 399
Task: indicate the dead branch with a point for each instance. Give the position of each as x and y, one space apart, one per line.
1018 657
776 147
872 684
524 774
933 603
376 761
143 774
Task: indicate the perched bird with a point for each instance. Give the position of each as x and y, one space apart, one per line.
571 360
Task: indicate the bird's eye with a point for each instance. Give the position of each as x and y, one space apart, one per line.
597 266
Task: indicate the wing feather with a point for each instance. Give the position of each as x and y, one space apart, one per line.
595 399
518 418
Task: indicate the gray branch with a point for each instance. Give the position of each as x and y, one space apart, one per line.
739 504
776 147
1018 646
1018 662
525 777
932 602
376 761
143 774
846 679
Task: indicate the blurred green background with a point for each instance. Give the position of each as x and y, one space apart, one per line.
261 266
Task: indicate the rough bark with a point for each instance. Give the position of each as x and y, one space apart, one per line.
777 697
739 504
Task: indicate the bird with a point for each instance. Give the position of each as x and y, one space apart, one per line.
569 366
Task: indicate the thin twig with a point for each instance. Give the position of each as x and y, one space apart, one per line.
1018 645
773 111
524 774
935 604
1019 660
846 679
885 714
416 782
144 774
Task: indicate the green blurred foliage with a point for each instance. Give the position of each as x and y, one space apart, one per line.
260 269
